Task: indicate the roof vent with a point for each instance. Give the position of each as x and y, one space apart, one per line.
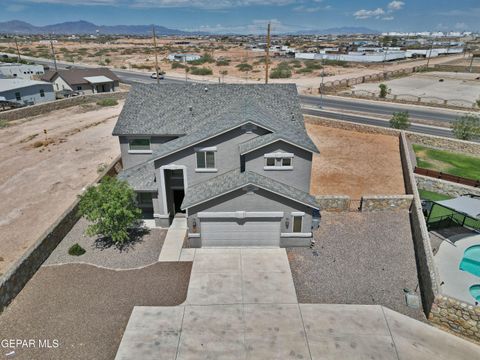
206 89
190 108
293 117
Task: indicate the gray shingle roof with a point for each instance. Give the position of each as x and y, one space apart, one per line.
140 178
235 179
190 110
299 138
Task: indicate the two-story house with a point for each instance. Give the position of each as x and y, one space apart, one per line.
235 158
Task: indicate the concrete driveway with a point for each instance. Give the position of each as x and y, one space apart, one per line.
241 304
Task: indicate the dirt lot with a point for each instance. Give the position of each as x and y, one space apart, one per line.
38 182
439 85
355 164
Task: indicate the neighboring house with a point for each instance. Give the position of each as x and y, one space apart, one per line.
236 158
85 81
183 57
26 92
21 71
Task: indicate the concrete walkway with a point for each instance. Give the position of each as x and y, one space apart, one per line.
172 246
241 304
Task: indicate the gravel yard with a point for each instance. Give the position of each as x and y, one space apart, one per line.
355 164
87 308
142 251
41 175
358 258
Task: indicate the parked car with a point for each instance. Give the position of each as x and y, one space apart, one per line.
160 75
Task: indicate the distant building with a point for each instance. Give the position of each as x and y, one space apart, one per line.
21 71
26 92
183 57
84 81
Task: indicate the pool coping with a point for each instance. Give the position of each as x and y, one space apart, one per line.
455 282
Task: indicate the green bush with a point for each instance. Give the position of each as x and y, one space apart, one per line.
107 102
244 67
400 120
467 127
304 71
200 71
76 250
111 209
3 124
383 90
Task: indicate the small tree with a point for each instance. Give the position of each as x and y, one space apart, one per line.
111 208
400 120
467 127
383 90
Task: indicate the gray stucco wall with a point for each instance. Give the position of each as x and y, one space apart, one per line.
31 94
227 157
259 200
130 159
299 177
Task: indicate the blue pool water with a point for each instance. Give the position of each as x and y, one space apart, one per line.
471 260
475 291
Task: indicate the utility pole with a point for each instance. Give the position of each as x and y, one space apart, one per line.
471 61
430 54
267 55
156 55
18 50
53 54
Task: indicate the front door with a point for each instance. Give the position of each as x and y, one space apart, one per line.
178 196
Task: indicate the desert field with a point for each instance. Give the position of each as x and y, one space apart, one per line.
223 60
355 164
41 176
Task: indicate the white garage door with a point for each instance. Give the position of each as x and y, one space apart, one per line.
240 232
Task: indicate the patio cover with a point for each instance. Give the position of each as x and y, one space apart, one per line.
465 205
98 79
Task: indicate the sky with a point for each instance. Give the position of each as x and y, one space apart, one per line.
251 16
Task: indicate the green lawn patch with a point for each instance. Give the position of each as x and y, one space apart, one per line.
448 162
432 196
107 102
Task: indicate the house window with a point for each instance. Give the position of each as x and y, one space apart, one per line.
278 161
79 88
297 223
205 160
42 93
139 144
144 199
18 96
176 174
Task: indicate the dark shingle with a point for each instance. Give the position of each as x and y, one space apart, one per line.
235 179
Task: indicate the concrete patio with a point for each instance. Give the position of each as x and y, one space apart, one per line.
241 304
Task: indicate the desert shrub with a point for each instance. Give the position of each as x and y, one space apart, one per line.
400 120
467 127
200 71
304 71
383 90
178 65
107 102
108 61
244 67
282 71
223 62
313 64
76 250
336 63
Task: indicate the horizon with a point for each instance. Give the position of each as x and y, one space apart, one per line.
251 16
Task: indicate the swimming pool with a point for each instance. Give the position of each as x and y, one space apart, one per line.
471 260
475 291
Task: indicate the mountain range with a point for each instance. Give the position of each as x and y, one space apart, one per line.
85 27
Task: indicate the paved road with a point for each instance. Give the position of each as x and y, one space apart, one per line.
423 129
329 106
380 108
